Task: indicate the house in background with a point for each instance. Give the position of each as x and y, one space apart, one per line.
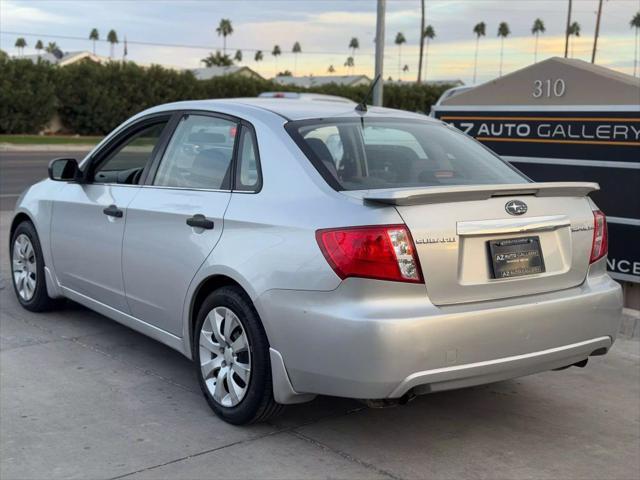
217 71
63 59
317 81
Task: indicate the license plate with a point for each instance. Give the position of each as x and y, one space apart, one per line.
516 257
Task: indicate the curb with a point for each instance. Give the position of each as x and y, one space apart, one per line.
62 147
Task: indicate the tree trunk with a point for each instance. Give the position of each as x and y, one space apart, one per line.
635 57
475 61
535 51
501 54
566 33
421 42
426 60
595 37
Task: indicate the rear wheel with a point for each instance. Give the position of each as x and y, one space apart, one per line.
27 269
232 358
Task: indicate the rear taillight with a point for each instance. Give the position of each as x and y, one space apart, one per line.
600 243
381 252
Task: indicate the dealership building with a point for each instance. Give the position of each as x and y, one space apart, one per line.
564 119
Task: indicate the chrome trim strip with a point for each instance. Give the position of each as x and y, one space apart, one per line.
512 225
571 161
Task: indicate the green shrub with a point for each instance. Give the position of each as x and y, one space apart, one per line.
92 99
27 96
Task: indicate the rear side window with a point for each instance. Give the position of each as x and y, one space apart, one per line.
381 153
248 172
199 154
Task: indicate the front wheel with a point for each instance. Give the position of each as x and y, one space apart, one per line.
232 358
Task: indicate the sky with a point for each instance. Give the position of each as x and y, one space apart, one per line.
186 30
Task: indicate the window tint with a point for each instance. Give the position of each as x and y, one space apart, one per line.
248 174
126 164
395 154
199 154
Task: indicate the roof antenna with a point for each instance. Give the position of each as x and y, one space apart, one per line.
362 106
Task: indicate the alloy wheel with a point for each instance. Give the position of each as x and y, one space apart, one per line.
24 267
225 357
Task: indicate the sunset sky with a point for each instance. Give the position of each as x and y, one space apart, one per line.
324 29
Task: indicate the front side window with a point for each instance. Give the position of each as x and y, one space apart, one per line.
126 163
199 154
379 153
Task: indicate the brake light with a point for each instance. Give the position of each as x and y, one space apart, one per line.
600 243
381 252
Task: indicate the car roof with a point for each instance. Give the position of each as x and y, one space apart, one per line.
289 109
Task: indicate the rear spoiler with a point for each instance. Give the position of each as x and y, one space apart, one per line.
461 193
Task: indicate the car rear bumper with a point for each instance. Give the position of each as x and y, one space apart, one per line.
370 339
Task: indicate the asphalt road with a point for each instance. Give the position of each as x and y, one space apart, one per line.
18 170
84 397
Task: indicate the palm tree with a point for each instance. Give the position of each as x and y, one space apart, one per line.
39 47
52 47
238 56
574 29
422 12
429 33
94 36
20 44
399 41
503 32
405 68
354 44
635 24
296 50
258 56
224 29
218 59
112 38
480 30
331 69
349 63
276 52
537 29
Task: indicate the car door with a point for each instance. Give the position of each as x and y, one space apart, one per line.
88 217
177 218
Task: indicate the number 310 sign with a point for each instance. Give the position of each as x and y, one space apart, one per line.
548 88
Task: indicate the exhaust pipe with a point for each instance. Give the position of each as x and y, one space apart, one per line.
581 364
389 402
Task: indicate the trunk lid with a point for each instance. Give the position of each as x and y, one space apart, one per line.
453 225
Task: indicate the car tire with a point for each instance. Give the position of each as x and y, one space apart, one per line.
229 337
27 269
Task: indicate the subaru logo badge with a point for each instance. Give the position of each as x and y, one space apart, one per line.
516 207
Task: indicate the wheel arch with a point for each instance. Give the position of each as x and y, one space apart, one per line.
204 288
18 218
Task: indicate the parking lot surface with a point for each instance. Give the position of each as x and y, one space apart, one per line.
84 397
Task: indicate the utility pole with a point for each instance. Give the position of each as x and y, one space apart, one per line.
595 38
377 91
566 32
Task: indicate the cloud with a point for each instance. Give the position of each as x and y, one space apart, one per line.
20 15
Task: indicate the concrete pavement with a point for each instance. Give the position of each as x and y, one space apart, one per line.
84 397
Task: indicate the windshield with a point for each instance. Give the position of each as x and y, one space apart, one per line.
380 153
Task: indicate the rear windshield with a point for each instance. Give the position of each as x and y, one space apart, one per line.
357 154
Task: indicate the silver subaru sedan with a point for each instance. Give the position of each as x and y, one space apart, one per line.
294 249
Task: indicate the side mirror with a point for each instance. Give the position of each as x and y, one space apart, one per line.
64 170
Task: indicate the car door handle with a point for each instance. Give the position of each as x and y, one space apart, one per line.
112 211
200 221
